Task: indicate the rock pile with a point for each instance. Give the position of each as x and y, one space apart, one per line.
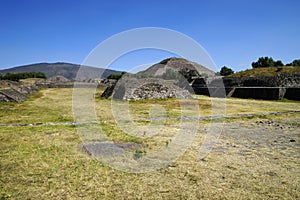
17 91
12 91
11 95
145 88
153 91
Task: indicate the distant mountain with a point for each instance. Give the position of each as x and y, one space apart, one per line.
67 70
184 66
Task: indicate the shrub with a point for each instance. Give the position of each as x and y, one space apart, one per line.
294 63
225 71
24 75
266 62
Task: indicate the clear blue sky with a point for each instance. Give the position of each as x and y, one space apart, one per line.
234 32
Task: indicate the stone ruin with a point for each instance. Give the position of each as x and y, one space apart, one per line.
268 88
17 91
12 91
191 77
284 80
130 88
152 83
11 95
170 78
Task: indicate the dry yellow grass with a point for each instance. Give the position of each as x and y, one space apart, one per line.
55 105
249 160
267 71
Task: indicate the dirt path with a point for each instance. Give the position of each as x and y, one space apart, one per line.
148 119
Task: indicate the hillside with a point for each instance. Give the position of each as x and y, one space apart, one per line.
267 71
67 70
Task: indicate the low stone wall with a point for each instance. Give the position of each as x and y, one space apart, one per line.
292 94
72 84
266 93
284 80
269 88
212 91
11 95
60 85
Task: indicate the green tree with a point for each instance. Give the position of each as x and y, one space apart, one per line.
294 63
116 76
267 62
24 75
263 62
225 71
278 63
10 76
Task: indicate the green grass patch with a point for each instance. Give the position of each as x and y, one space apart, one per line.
267 71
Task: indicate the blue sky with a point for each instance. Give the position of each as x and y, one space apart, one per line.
233 32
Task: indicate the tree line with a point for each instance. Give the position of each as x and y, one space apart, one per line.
261 62
116 76
269 62
24 75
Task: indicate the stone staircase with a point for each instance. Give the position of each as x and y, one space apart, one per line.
11 95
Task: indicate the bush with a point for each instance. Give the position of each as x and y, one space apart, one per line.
24 75
116 76
266 62
294 63
225 71
278 63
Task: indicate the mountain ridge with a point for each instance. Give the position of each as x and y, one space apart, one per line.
68 70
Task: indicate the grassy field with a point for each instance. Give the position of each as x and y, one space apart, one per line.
46 162
267 71
55 105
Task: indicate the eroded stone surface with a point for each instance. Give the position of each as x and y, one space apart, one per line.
145 88
97 149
